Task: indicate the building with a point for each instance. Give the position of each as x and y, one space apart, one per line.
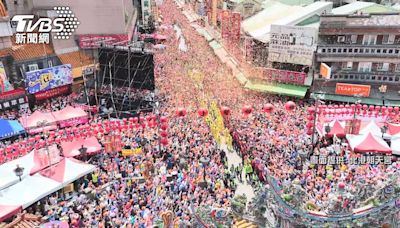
358 57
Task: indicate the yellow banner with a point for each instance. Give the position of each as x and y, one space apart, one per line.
130 152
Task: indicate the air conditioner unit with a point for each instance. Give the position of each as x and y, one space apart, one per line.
341 39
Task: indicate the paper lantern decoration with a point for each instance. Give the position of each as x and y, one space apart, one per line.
164 141
353 106
336 106
341 106
310 117
148 118
371 108
390 108
164 126
202 112
311 110
290 106
181 112
268 108
225 111
152 123
309 132
309 125
342 185
365 107
246 110
396 109
164 133
163 119
377 108
141 119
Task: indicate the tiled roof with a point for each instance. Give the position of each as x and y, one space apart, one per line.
3 11
30 51
5 52
76 59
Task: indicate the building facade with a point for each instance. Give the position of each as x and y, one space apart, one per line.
359 49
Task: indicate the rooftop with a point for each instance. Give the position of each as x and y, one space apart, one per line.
22 52
76 59
364 7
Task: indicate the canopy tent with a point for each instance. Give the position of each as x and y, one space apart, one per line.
368 143
370 127
68 113
67 171
8 211
33 162
71 149
9 128
36 119
28 191
393 129
395 145
336 128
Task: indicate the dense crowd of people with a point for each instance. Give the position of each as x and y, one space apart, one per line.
135 190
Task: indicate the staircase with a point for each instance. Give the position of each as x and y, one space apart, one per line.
242 223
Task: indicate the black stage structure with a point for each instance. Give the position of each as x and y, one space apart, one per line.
126 81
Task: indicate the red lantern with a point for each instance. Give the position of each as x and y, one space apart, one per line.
152 123
290 106
347 106
377 108
141 119
365 107
309 124
371 108
148 118
137 126
309 132
311 110
37 137
163 119
353 106
143 125
164 141
164 126
383 110
341 106
203 112
390 108
310 117
246 110
342 185
164 134
268 108
396 109
181 112
225 111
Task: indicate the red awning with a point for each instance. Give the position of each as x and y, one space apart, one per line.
8 211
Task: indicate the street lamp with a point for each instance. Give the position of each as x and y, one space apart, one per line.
204 161
83 152
384 129
19 171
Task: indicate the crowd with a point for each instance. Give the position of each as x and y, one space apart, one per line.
134 191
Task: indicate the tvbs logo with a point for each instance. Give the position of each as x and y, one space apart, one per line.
28 30
25 24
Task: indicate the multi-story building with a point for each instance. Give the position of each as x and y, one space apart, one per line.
361 49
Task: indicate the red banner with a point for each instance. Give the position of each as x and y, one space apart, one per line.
12 94
108 144
225 22
285 76
235 27
52 92
95 41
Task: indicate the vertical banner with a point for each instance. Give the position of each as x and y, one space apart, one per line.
248 49
235 27
347 128
5 85
225 22
107 144
356 127
214 12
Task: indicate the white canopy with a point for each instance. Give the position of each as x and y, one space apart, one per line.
371 127
7 175
395 145
368 143
67 171
28 191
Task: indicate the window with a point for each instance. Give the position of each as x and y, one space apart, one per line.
390 51
341 39
33 67
382 67
339 50
347 65
388 39
364 66
369 39
354 39
397 67
50 63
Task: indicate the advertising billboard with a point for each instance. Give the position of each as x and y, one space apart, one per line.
353 89
292 44
49 78
5 85
95 41
291 77
325 71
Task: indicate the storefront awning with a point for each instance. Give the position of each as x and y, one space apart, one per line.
392 103
278 88
334 97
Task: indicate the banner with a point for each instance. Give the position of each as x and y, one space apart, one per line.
325 71
214 13
52 92
5 85
285 76
108 144
235 27
73 122
95 41
12 103
116 142
353 89
225 22
356 126
130 152
12 94
248 48
49 78
292 44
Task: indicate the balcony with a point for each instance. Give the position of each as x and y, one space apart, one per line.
383 51
377 77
